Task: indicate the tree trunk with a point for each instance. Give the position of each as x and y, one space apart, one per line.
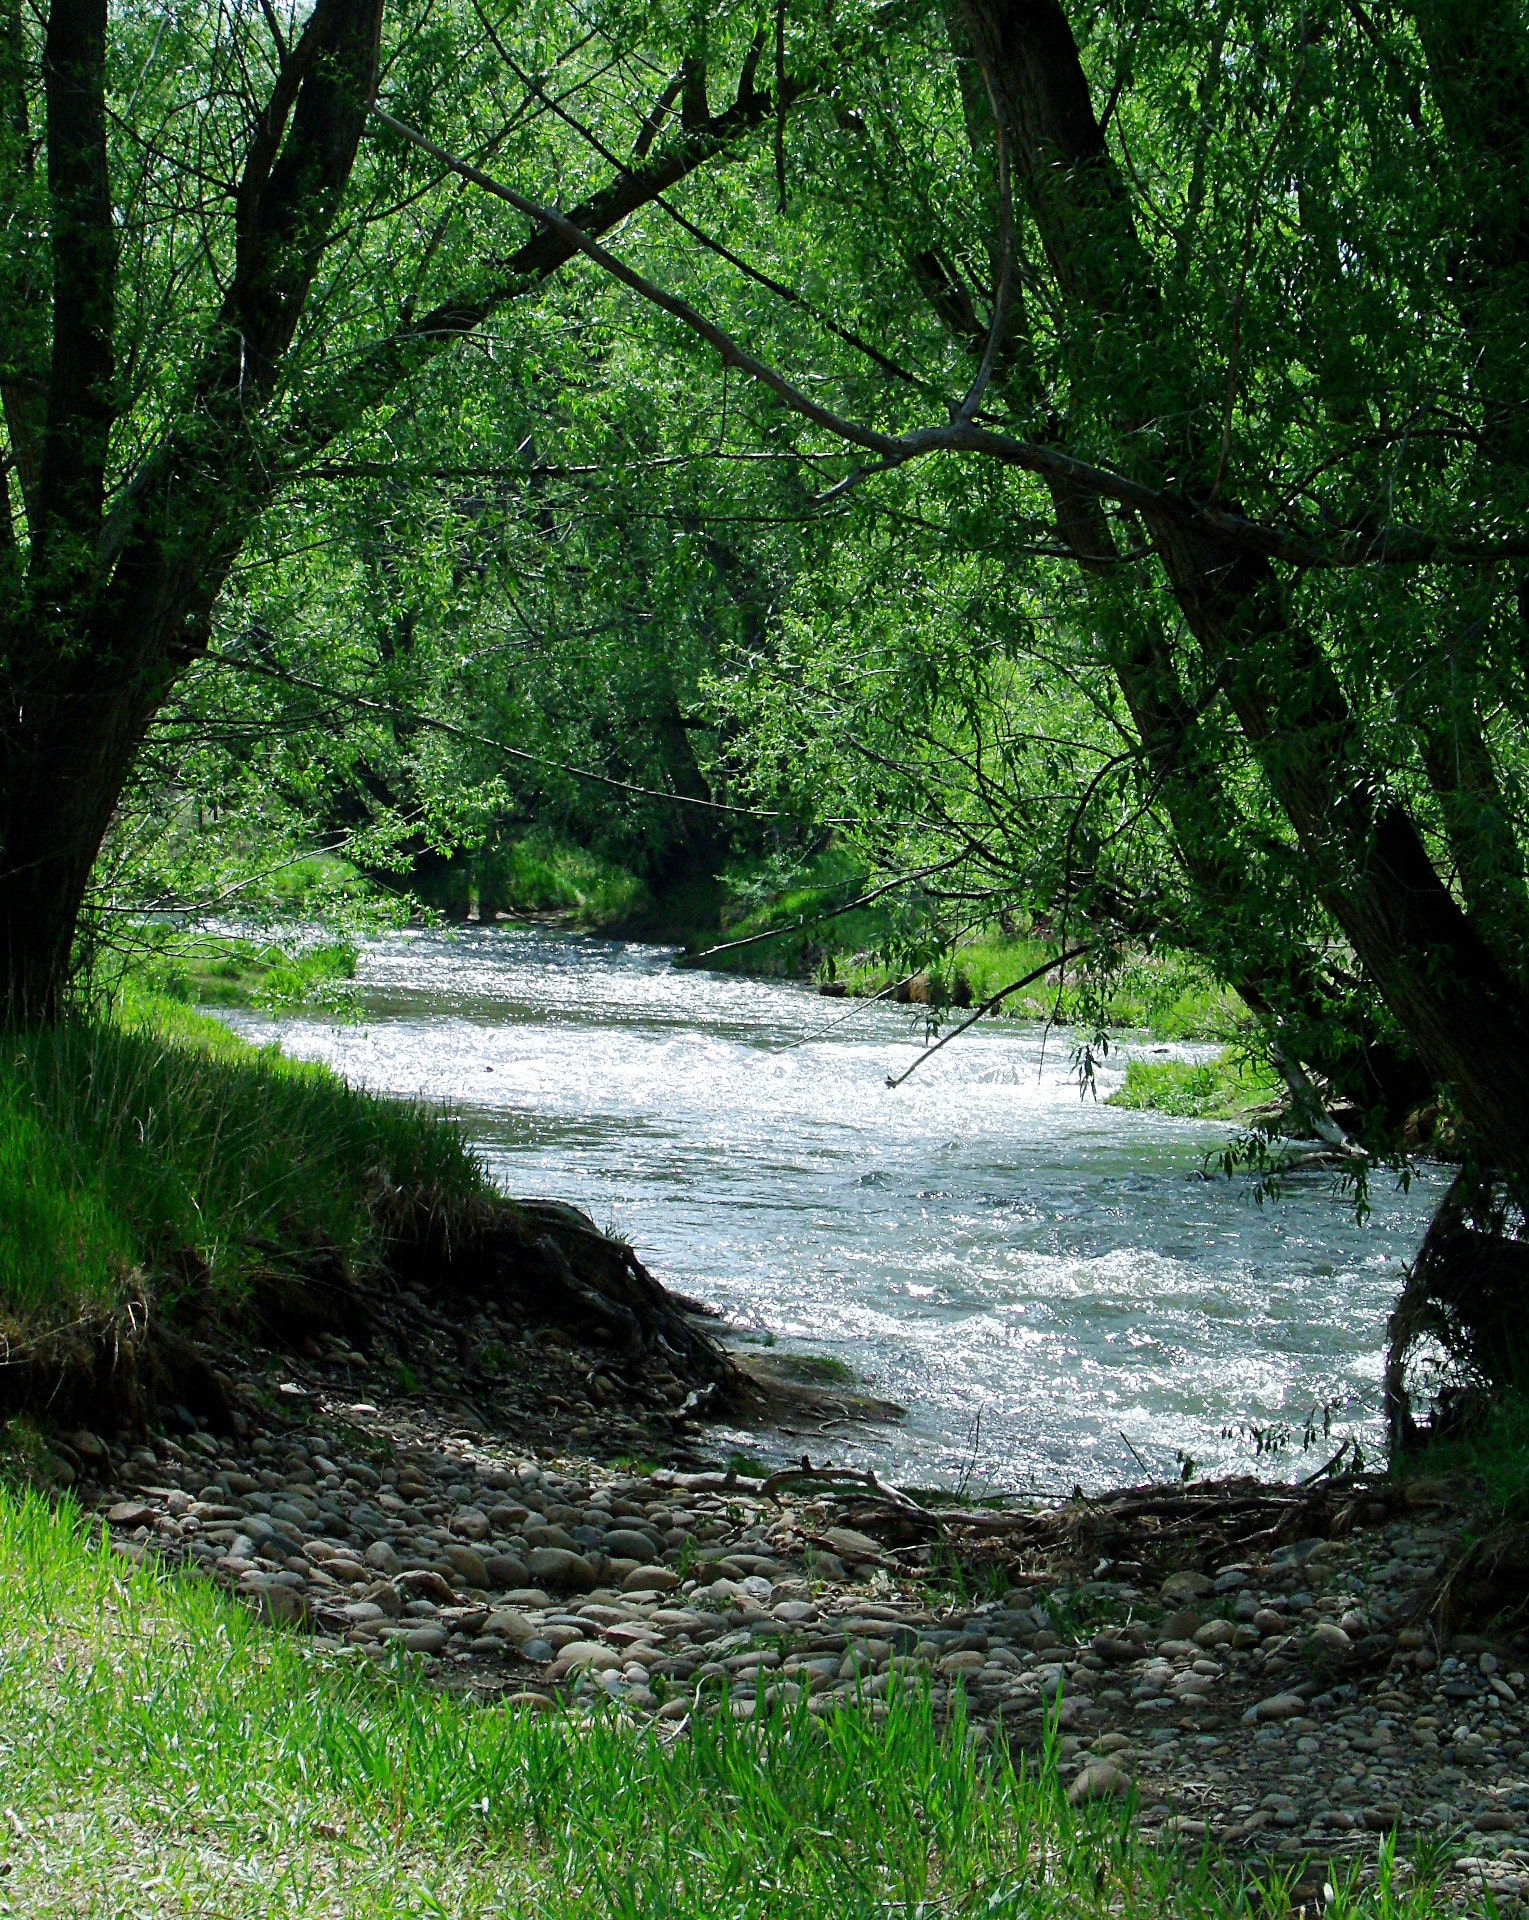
114 598
62 770
1445 987
39 909
1269 965
1467 1019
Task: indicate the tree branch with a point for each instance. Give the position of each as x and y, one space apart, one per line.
288 197
377 372
1027 980
805 921
1394 545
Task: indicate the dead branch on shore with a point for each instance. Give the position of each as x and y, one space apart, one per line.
1135 1531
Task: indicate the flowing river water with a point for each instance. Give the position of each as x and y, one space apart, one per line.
1037 1277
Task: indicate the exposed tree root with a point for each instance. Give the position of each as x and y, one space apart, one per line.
1142 1532
1466 1295
1488 1587
558 1266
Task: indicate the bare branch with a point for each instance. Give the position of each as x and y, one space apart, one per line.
1003 287
1029 980
648 132
805 921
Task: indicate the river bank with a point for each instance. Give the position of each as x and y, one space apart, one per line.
1046 1280
1258 1672
474 1479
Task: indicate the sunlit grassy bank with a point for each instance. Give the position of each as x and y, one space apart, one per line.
163 1753
161 1152
541 873
1225 1088
198 968
1169 993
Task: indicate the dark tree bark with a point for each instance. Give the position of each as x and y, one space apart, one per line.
1313 1021
1467 1019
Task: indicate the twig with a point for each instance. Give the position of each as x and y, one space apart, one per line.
971 1459
857 1006
1136 1456
1004 280
806 920
1029 979
1322 1472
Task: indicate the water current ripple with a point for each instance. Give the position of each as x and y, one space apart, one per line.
981 1239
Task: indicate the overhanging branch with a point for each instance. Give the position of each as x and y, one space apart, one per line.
1392 546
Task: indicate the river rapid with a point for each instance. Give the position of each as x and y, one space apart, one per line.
1045 1282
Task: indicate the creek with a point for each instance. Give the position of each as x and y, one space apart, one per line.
1036 1276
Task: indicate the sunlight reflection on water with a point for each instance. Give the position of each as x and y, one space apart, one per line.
980 1239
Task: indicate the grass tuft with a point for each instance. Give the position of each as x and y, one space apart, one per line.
1226 1088
542 873
169 1150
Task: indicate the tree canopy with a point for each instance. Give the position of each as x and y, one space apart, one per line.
1076 456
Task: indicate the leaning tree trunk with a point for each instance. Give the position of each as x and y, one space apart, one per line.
1466 1018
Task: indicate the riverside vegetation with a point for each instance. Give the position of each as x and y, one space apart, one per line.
958 490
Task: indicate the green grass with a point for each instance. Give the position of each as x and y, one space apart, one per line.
161 1753
819 1369
217 970
1226 1088
1168 993
1494 1457
163 1149
785 893
541 873
315 885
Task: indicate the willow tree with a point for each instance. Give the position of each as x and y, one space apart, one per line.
1238 300
211 274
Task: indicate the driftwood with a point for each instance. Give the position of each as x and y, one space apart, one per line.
808 1475
1133 1530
